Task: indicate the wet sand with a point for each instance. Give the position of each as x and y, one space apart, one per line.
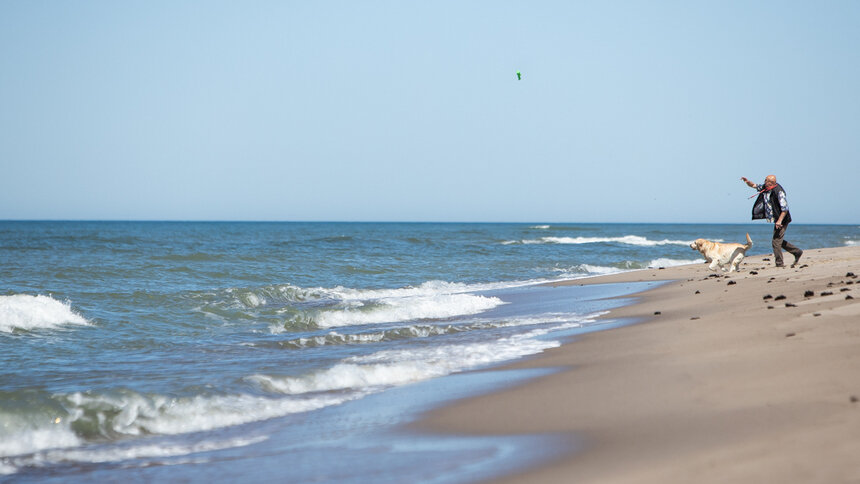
744 377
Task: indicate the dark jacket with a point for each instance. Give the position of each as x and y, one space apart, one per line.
758 211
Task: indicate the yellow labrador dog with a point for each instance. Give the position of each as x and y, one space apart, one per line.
723 255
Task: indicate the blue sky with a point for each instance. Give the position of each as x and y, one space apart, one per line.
411 111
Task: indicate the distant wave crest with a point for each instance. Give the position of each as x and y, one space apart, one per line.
626 239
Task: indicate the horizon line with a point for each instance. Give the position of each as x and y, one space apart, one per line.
48 220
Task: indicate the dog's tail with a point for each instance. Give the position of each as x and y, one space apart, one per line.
749 242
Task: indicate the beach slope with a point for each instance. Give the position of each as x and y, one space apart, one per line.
746 377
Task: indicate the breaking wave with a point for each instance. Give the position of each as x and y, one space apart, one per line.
387 310
25 312
65 421
297 308
388 368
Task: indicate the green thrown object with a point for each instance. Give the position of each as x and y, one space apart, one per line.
519 76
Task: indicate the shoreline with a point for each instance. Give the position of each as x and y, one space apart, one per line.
714 383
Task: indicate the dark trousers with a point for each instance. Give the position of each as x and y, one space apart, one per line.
780 243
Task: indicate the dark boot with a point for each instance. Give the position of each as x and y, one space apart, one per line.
794 251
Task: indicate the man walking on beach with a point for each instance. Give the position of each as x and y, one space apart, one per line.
772 206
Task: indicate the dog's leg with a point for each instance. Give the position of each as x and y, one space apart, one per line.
737 257
714 264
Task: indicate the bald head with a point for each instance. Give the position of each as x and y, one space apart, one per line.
770 180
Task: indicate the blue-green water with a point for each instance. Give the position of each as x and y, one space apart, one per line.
292 351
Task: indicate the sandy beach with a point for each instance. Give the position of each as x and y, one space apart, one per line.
752 376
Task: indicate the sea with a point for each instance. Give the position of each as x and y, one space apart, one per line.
299 352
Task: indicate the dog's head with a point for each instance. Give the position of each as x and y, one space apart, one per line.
699 244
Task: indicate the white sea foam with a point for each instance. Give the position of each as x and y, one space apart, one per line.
22 311
663 262
852 243
627 239
102 454
33 438
389 310
539 227
346 376
583 270
150 451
